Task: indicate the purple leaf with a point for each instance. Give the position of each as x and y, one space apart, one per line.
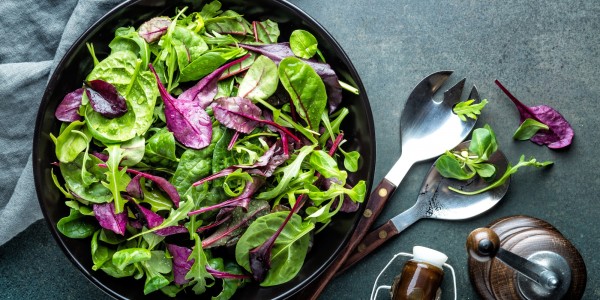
105 214
205 90
277 52
559 134
242 115
242 200
151 218
188 121
234 228
153 29
134 188
67 110
225 275
171 230
164 184
181 264
105 99
225 107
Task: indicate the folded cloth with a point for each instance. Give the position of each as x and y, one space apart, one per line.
36 34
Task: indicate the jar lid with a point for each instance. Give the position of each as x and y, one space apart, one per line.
430 256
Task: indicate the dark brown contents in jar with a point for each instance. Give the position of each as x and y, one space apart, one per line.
419 281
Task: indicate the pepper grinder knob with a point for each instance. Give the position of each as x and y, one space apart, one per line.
521 257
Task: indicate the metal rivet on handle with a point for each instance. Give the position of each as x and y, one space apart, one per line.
361 247
368 213
382 234
382 192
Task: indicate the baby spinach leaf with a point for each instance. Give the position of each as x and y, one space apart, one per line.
201 67
160 149
230 286
127 39
448 166
129 256
116 179
188 121
351 160
303 43
153 29
288 252
100 253
188 45
94 192
306 89
68 109
261 80
528 129
110 219
194 165
157 265
76 225
122 69
71 142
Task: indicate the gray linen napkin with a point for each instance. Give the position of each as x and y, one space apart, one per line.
36 34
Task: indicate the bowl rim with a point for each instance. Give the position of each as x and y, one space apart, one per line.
107 17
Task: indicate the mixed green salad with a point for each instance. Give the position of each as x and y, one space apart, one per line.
200 153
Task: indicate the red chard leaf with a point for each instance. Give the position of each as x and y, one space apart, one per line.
105 99
164 184
151 218
153 29
205 90
134 188
188 121
181 264
105 214
559 134
225 109
67 110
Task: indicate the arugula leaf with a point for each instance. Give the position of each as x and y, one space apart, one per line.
175 216
468 109
198 274
506 176
528 129
116 180
289 172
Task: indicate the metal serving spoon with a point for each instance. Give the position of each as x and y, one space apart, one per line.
428 128
436 201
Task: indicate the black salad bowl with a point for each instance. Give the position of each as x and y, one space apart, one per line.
70 73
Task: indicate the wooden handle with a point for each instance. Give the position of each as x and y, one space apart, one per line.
370 242
375 205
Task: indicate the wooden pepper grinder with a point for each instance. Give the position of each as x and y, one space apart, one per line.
521 257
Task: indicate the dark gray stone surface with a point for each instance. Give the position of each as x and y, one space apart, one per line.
545 52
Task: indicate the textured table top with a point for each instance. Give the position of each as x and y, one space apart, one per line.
545 52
